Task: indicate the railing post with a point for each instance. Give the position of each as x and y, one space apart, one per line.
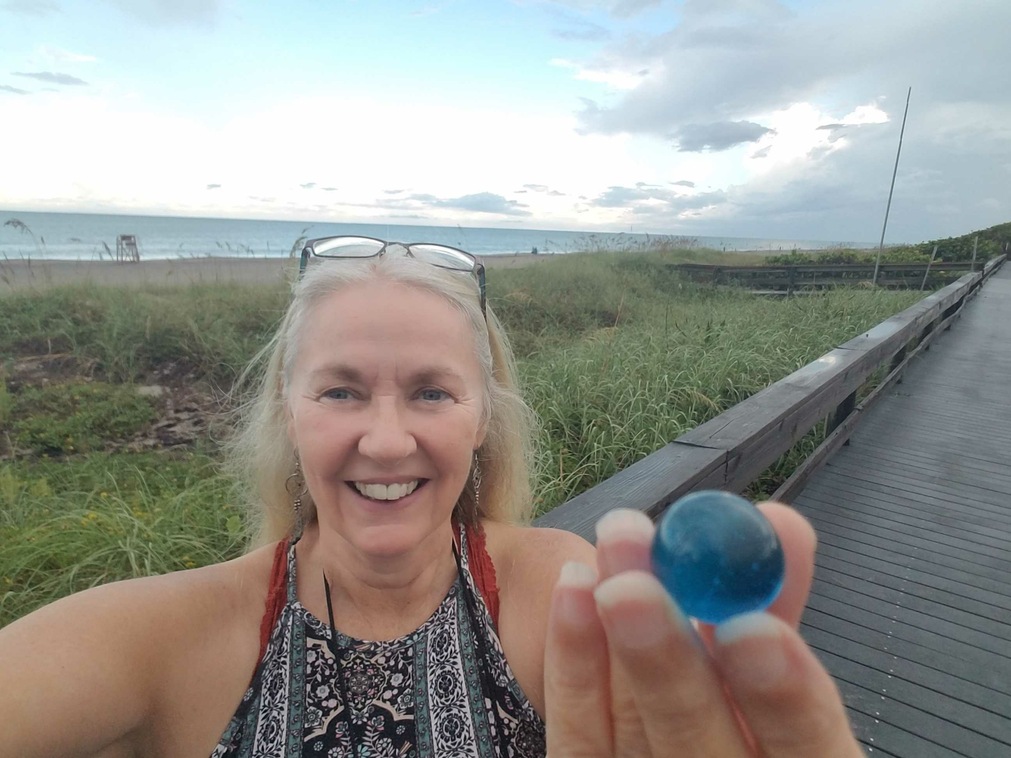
842 412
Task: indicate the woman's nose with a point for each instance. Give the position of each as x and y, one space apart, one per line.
387 439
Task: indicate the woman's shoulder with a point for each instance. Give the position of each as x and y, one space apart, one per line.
534 552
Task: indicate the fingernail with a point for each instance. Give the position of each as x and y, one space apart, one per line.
573 598
623 521
751 646
636 610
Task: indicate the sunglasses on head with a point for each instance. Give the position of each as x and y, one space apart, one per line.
349 246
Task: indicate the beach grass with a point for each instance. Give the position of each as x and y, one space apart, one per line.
617 355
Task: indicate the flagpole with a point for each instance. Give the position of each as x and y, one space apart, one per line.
881 244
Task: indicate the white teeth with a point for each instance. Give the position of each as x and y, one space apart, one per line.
386 491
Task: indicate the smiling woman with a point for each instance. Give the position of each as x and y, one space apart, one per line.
394 601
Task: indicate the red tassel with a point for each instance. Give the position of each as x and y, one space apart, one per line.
277 595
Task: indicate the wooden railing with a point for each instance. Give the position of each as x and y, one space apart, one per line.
791 278
731 450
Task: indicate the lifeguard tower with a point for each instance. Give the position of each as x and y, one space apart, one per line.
126 249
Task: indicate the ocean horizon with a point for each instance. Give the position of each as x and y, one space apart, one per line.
92 236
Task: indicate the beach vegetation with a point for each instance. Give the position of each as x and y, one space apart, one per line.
618 355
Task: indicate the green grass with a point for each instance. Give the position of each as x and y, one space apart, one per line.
618 356
71 524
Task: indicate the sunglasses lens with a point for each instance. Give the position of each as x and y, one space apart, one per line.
443 257
347 247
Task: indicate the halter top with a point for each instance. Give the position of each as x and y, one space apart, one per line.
444 689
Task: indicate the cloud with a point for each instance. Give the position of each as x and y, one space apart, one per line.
31 7
717 136
52 78
486 202
64 56
658 207
13 90
683 183
213 186
480 202
308 185
193 13
619 8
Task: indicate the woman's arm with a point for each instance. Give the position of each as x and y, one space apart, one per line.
152 666
76 674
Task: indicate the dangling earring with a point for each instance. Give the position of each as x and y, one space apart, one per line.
296 487
475 477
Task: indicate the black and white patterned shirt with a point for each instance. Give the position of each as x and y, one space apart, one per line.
442 690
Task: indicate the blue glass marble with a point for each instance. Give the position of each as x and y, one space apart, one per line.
718 556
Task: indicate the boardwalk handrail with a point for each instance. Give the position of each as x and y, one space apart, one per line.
731 450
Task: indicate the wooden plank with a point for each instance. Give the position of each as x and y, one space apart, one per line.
649 485
905 658
942 525
901 598
902 484
980 664
962 724
966 597
908 532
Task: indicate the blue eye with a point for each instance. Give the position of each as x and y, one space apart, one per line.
432 395
338 393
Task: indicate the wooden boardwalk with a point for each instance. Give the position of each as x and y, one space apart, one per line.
911 605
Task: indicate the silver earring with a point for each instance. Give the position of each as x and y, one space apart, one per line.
296 488
475 476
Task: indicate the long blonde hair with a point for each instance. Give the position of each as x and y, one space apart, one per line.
261 456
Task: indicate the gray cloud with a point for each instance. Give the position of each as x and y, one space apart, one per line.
30 7
486 202
731 61
213 186
683 183
52 78
13 90
722 135
308 185
480 202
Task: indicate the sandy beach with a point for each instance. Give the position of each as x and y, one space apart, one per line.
26 275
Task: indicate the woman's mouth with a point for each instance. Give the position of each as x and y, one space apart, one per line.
387 492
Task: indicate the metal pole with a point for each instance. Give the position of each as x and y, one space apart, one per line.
927 272
975 246
877 262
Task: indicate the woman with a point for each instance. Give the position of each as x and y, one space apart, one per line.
396 606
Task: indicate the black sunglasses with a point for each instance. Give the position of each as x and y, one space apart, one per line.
349 246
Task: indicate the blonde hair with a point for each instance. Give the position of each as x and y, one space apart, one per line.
261 456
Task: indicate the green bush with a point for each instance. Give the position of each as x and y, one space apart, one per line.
59 419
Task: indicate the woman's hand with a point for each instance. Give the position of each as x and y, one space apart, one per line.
626 674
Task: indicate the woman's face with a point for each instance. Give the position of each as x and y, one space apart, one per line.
385 404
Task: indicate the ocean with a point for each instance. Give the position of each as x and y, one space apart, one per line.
86 236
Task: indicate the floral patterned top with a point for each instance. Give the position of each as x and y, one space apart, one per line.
444 689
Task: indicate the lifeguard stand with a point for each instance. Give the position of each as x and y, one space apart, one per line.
126 249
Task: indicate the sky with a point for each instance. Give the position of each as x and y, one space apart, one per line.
746 118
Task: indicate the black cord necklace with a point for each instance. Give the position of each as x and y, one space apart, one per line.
355 735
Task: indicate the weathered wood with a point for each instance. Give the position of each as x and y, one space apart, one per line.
791 278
